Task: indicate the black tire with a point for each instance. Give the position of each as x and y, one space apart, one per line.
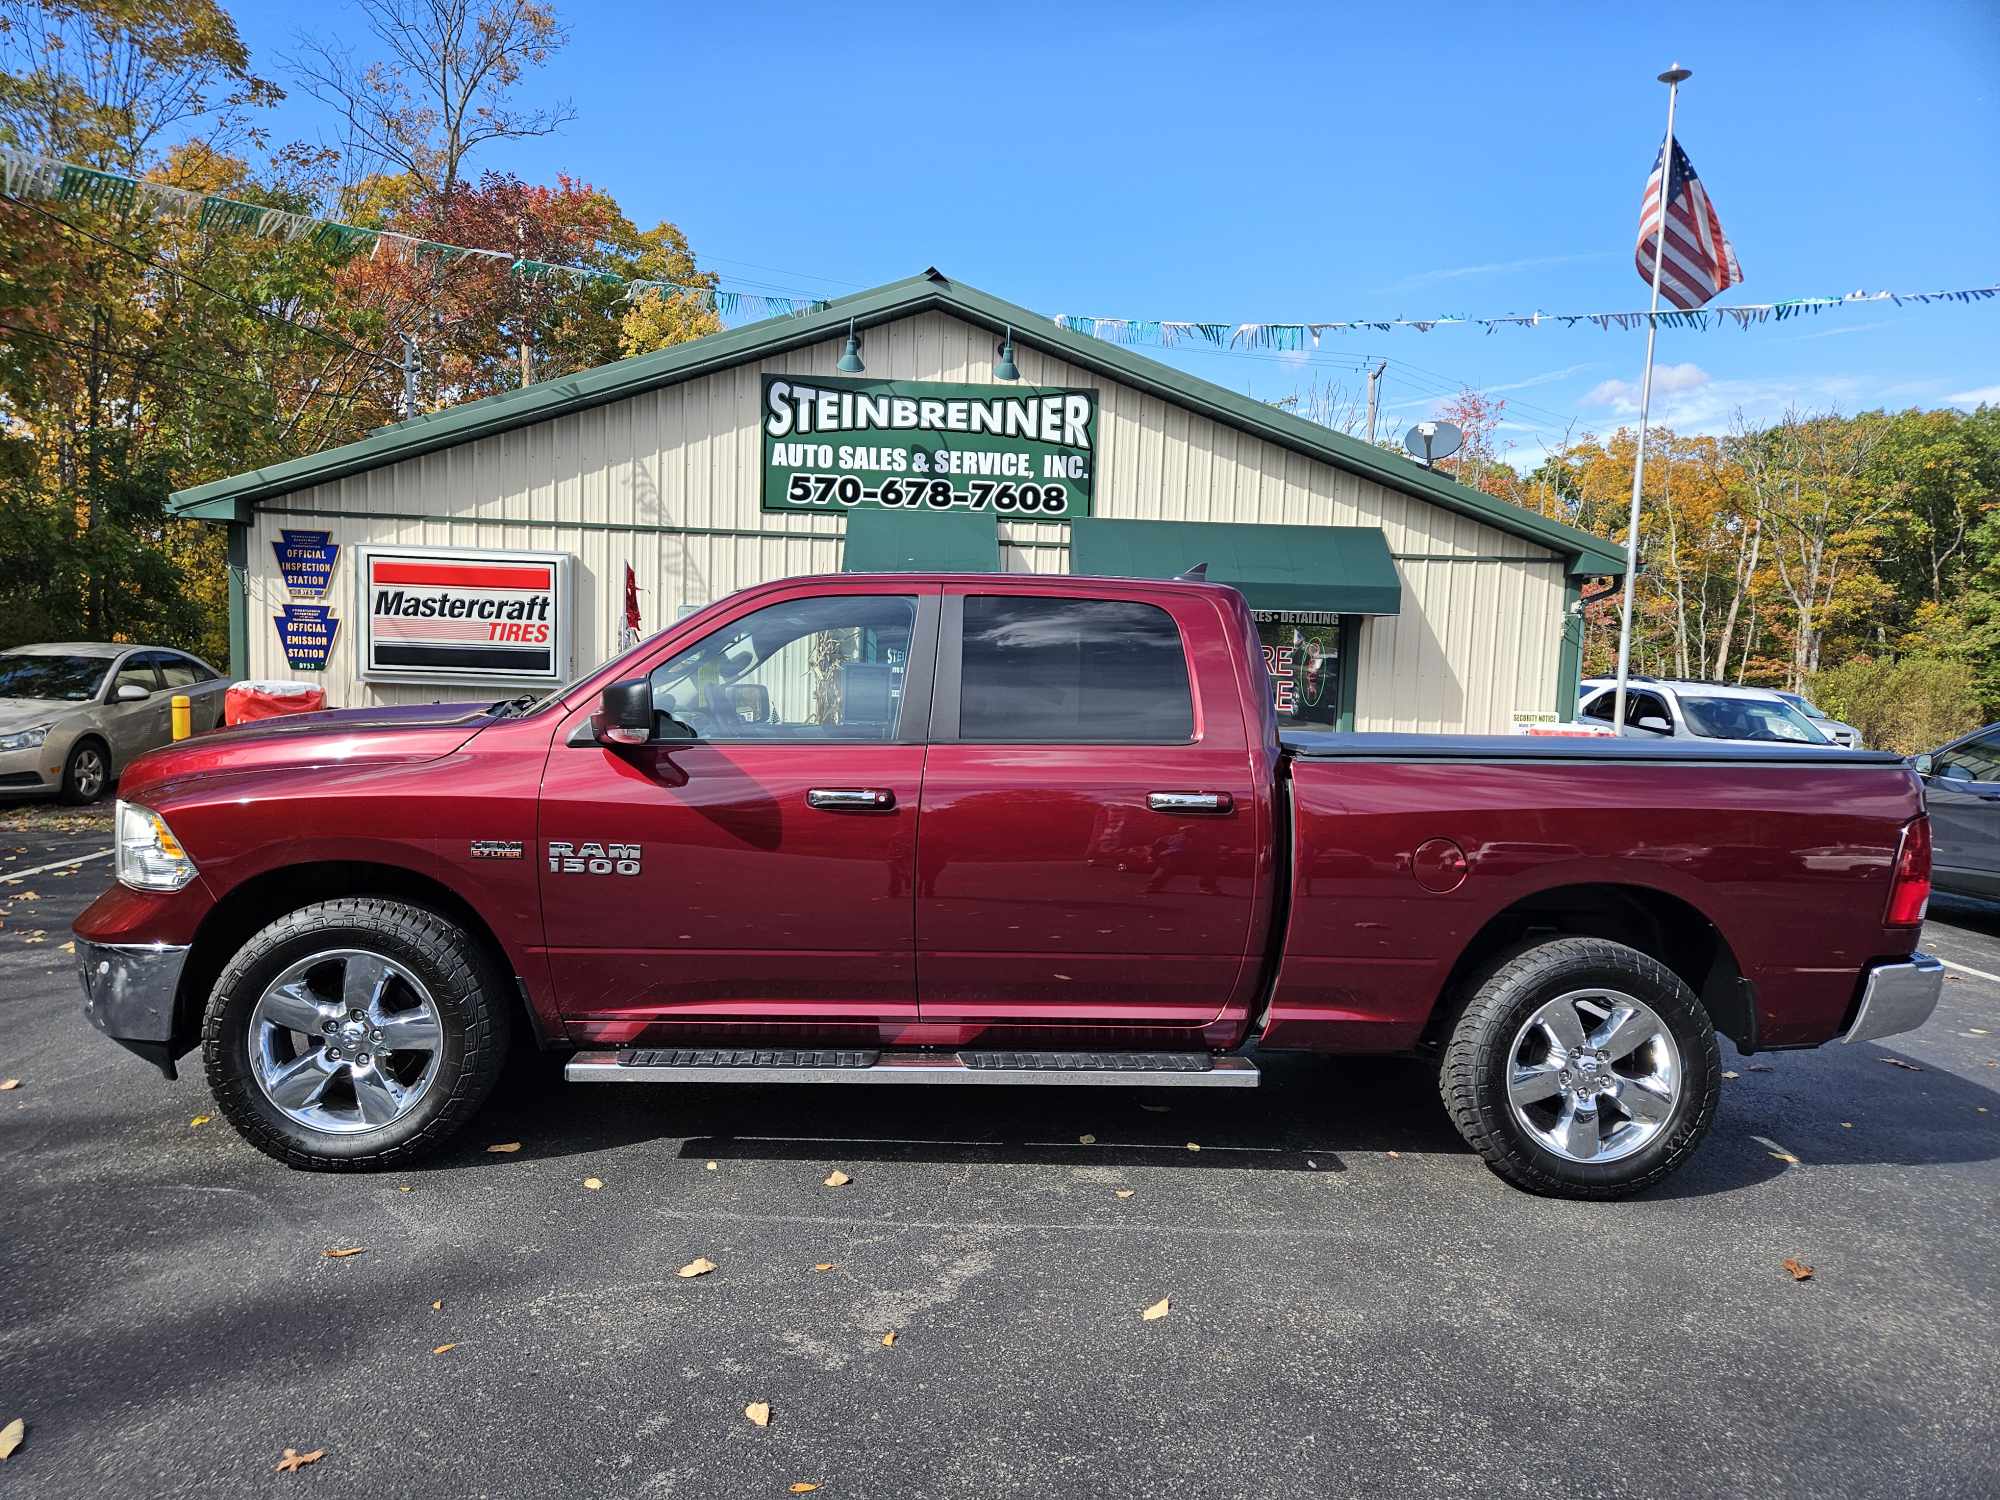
80 786
1478 1058
471 1001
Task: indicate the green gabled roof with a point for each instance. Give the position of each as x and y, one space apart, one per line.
231 499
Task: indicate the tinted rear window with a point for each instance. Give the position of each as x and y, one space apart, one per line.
1043 670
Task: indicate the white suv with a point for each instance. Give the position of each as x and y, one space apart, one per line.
1659 708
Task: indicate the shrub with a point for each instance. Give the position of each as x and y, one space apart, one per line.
1914 704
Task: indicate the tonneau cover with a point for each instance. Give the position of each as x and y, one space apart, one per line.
1327 745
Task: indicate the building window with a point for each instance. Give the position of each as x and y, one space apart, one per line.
1302 654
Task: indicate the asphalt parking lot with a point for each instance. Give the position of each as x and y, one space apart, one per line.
1355 1303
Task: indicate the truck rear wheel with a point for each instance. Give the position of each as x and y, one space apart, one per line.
1582 1068
354 1034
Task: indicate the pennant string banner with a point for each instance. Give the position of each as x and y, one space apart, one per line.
25 175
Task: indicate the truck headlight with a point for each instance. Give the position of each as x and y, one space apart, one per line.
149 857
26 739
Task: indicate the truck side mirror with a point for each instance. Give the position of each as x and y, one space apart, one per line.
625 715
1924 765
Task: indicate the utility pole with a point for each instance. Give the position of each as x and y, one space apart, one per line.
1374 380
409 376
527 302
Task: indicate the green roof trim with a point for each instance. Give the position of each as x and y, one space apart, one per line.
897 541
231 499
1341 570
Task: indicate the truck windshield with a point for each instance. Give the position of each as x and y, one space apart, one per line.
1749 719
73 679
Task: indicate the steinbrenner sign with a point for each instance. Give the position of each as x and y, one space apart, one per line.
446 614
1021 452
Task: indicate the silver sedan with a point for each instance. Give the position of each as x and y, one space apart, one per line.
73 715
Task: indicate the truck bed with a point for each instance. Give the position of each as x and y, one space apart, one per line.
1327 745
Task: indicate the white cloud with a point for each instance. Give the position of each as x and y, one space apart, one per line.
1622 396
1493 268
1985 395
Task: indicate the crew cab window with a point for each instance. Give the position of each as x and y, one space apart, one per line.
1054 670
1975 760
829 668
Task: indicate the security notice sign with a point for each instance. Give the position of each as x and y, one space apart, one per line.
1026 452
445 614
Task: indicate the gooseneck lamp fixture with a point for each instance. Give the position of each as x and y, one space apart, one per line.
1004 367
850 357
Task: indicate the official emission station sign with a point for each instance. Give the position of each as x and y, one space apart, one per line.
1020 452
447 614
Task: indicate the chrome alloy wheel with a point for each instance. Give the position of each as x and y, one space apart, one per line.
345 1041
89 774
1593 1075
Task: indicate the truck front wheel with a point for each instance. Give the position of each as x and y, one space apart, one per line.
1582 1068
354 1034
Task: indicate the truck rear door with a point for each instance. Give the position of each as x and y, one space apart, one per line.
1091 844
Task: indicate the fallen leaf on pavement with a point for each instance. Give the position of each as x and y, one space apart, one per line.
70 946
1397 1155
199 1120
803 1488
1086 1140
701 1265
505 1148
1799 1269
9 1083
438 1306
825 1265
25 896
838 1179
11 1435
1786 1156
343 1254
1897 1062
1727 1073
404 1187
444 1348
593 1183
1846 1124
294 1460
889 1339
1157 1310
759 1413
1122 1192
1192 1146
710 1167
1979 1031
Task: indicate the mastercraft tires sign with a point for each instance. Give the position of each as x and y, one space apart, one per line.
437 614
1022 452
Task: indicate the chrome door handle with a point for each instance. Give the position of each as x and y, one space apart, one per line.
1213 803
851 799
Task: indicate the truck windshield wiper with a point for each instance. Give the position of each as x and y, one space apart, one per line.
506 708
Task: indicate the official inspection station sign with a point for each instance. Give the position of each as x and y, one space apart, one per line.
437 614
305 562
1018 451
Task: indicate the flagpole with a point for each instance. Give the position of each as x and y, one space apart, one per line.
1673 78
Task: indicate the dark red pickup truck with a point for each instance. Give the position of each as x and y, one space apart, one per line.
991 829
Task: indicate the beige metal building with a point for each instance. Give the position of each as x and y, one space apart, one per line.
696 467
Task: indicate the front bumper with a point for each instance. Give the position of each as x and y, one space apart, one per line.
128 994
1897 997
26 772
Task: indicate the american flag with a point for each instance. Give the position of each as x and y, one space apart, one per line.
1700 260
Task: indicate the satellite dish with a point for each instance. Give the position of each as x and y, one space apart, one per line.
1431 441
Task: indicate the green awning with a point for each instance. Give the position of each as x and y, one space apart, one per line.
921 541
1342 570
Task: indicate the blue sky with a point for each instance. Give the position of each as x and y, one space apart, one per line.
1233 164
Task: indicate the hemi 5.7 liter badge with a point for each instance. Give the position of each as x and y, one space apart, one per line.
496 848
593 859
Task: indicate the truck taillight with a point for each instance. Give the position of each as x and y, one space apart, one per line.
1910 894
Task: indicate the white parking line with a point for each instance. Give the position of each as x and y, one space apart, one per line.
61 864
1967 969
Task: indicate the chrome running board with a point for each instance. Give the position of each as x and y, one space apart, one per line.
828 1065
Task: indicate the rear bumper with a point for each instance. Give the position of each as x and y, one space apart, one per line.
1897 997
128 994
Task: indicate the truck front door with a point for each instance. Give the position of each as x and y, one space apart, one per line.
754 862
1091 847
